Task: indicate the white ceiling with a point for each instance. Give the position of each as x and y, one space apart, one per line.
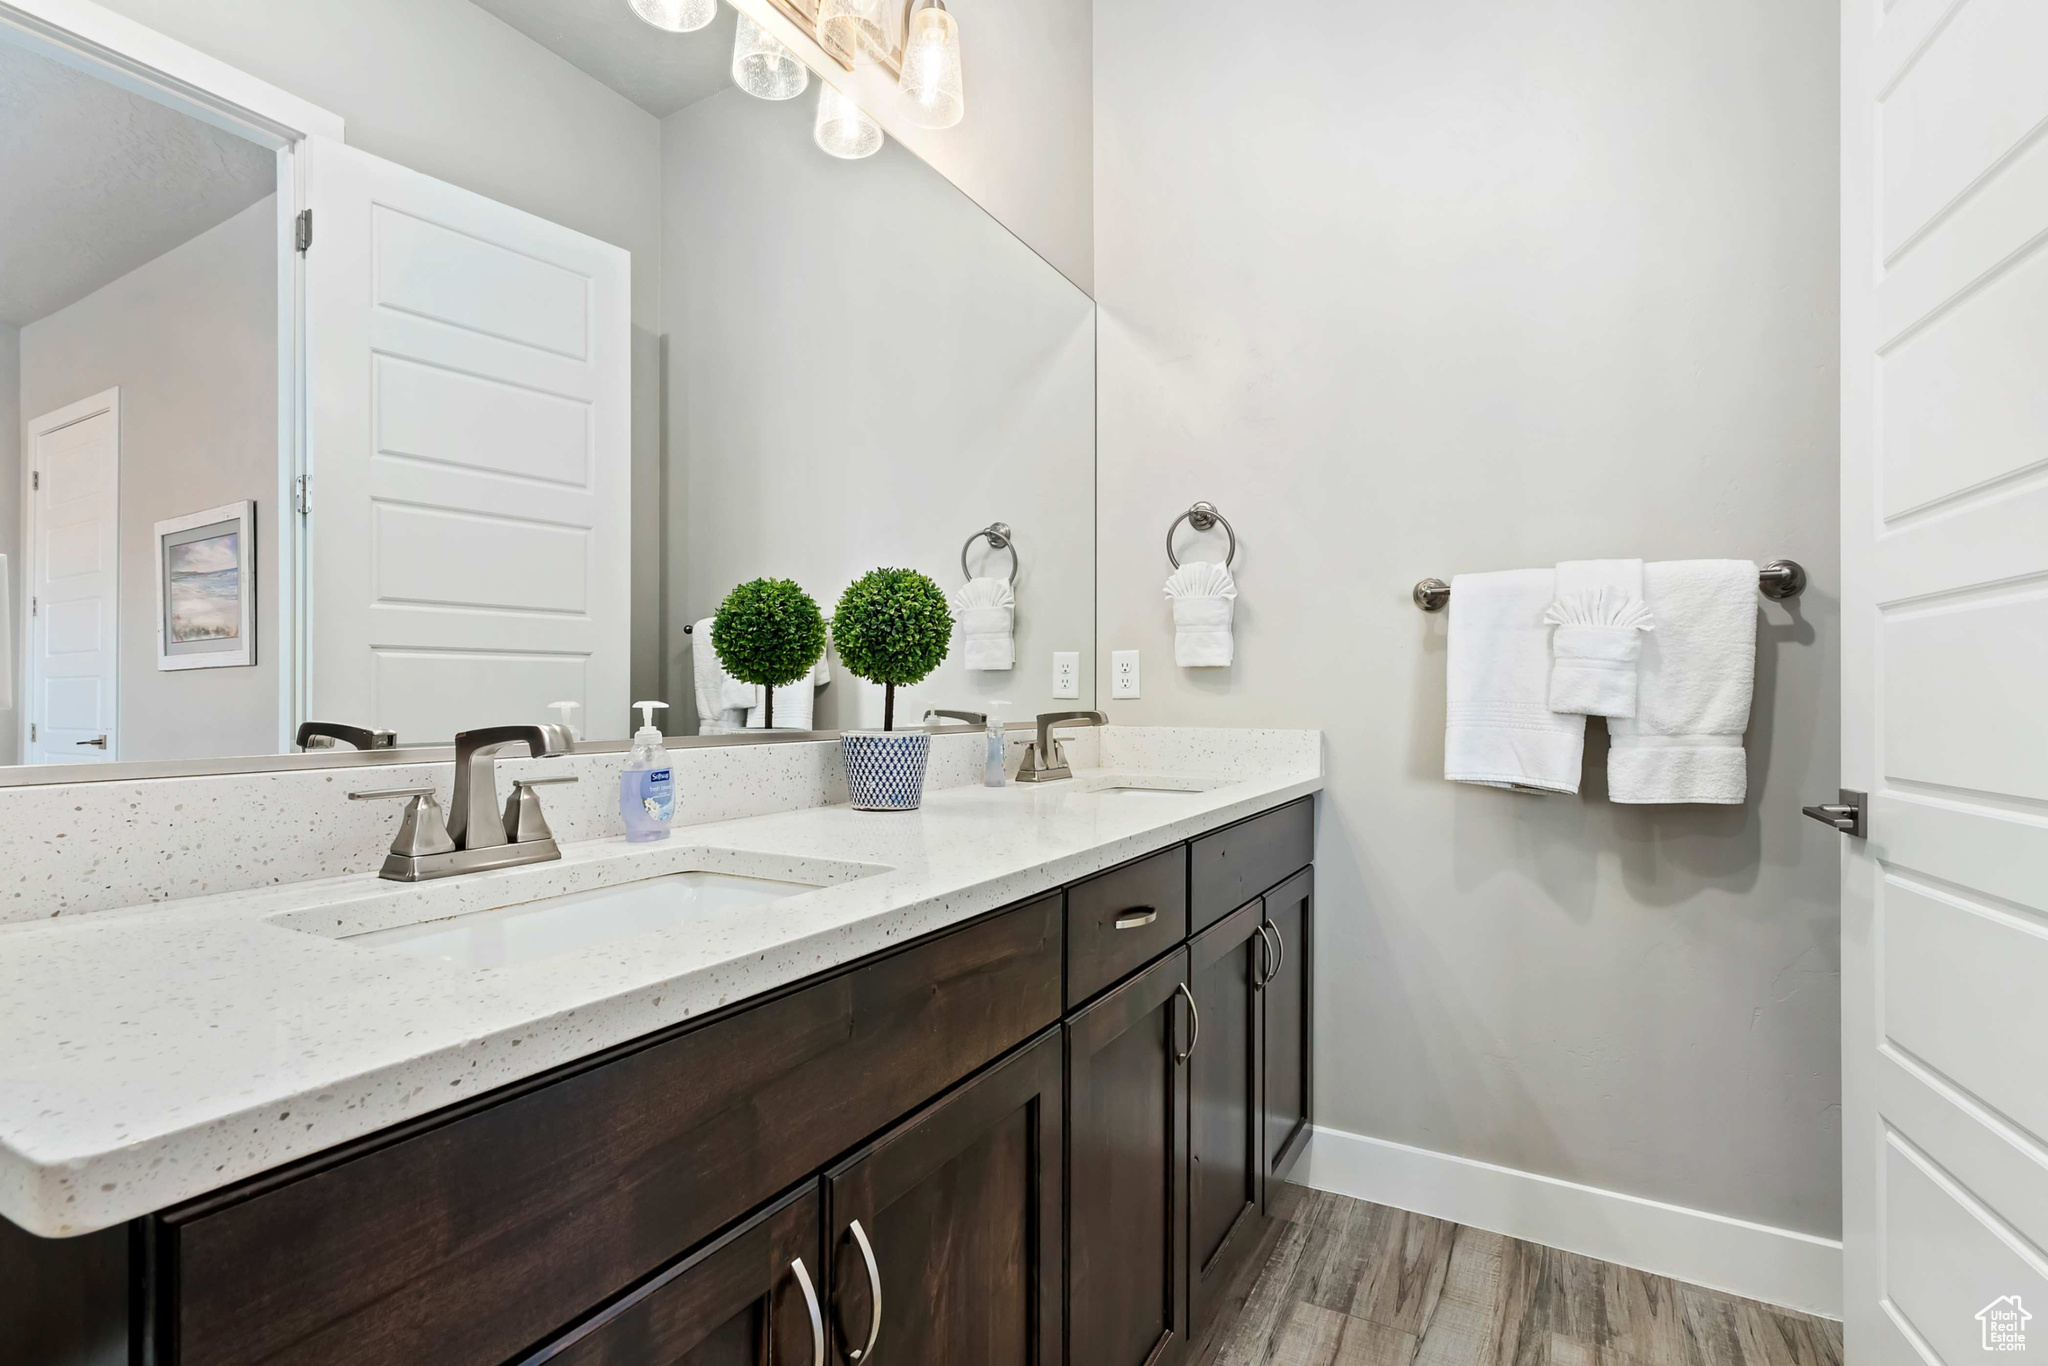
659 71
95 181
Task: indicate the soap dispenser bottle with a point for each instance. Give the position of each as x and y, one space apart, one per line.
993 774
647 787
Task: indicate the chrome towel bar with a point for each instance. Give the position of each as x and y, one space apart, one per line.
1778 580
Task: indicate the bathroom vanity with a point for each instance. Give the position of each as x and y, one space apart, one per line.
1043 1132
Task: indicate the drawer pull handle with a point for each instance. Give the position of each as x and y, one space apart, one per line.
1282 942
867 1252
1195 1016
1269 957
1137 918
803 1281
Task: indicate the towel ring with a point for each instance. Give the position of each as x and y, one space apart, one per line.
999 538
1202 517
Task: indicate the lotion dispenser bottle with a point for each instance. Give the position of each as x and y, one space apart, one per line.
647 788
993 774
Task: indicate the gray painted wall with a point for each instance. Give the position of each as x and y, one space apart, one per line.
1420 289
10 526
451 91
191 341
864 369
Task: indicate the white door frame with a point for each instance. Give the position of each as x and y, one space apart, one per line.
33 429
116 49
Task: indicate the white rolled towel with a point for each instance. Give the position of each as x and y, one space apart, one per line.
1204 601
986 610
1600 620
721 700
796 704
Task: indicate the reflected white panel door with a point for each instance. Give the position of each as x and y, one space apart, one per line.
74 583
468 385
1945 683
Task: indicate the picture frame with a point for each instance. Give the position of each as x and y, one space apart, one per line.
206 589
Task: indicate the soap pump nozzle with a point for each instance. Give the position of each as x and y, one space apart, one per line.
566 711
648 730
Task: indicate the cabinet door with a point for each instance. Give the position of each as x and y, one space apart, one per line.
1226 1143
1290 1013
946 1233
750 1299
1127 1291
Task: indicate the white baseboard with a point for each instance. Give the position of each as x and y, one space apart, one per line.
1775 1265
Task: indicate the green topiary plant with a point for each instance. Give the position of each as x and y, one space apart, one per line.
892 627
768 632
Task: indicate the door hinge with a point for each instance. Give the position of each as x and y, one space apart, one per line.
1850 814
31 732
35 481
303 233
302 494
35 607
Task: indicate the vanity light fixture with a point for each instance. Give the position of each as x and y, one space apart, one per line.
931 66
763 67
843 127
856 28
676 16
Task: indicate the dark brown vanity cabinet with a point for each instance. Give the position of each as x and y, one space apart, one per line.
1127 1143
1042 1138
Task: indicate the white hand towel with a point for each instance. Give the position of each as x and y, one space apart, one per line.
795 703
1698 675
6 640
986 610
1204 600
721 701
1500 730
1600 620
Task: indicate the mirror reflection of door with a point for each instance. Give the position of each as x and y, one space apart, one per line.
73 572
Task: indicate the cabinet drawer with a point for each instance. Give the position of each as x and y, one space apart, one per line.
1120 920
1238 862
469 1238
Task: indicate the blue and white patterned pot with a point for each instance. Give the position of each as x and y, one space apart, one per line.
885 768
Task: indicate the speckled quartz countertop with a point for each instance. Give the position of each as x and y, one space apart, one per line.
151 1055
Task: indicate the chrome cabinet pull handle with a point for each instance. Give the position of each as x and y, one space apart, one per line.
1269 960
1137 918
867 1252
803 1281
1195 1015
1281 940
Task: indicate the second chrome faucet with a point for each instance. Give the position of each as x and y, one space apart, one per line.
475 836
1046 760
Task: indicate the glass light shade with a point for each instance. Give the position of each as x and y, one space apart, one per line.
762 66
854 27
843 127
931 66
677 16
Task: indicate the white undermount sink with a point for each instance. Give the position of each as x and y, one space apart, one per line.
543 929
1127 787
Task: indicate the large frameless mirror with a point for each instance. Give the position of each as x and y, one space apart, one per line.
461 464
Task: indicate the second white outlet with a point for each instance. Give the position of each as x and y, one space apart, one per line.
1123 673
1066 673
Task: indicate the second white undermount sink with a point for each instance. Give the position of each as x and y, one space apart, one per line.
543 929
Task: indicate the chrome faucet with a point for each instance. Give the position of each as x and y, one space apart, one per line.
474 836
968 718
1045 760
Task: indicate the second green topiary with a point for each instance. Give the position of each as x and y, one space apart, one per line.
768 632
893 627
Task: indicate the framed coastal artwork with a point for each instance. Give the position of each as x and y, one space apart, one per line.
206 589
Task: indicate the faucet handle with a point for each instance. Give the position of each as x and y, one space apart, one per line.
424 830
525 822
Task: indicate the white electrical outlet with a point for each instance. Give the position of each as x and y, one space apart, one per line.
1066 673
1123 673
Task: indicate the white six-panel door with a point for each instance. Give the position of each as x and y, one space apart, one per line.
73 578
1945 705
468 391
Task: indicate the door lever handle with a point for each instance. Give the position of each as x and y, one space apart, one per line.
99 742
1849 814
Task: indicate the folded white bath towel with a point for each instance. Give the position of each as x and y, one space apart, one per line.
796 703
721 699
1697 677
1500 730
1600 621
1204 600
986 610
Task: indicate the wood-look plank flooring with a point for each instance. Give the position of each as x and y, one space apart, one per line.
1344 1283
